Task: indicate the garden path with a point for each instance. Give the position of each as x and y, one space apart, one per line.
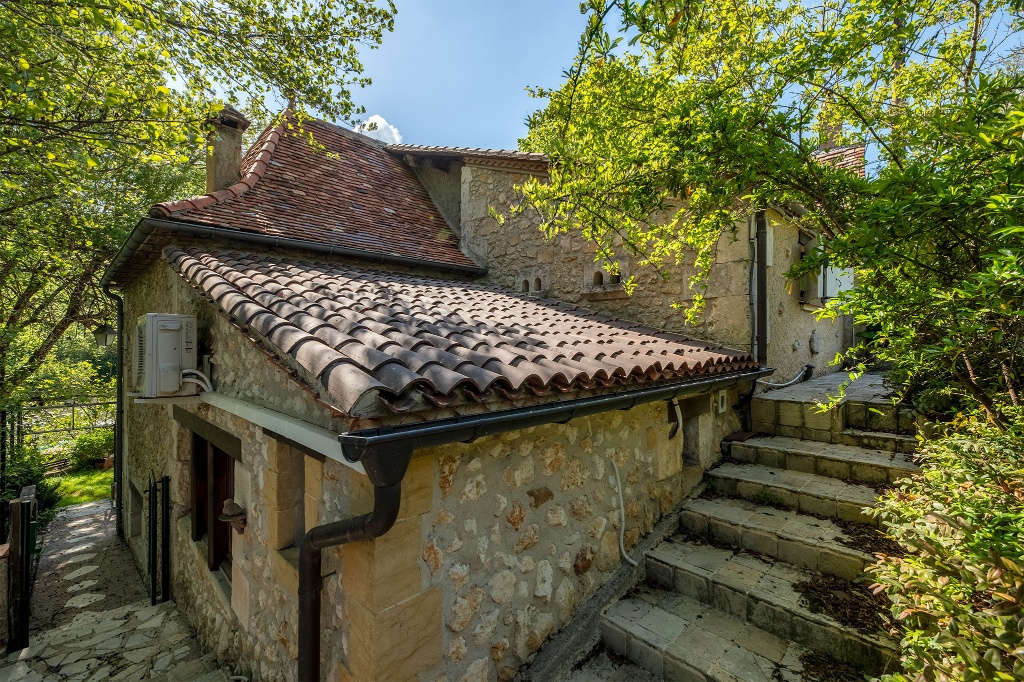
91 616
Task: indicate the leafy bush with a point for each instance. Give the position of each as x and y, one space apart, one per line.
90 446
27 467
959 591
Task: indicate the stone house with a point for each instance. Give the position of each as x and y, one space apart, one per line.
423 417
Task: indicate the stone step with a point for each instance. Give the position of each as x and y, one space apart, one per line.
846 462
808 493
794 418
877 440
764 593
880 416
676 637
802 540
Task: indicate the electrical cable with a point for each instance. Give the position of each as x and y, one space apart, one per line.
622 517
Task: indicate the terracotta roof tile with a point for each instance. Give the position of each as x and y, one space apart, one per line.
362 334
351 194
850 158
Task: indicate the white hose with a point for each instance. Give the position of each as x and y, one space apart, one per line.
622 517
197 382
199 379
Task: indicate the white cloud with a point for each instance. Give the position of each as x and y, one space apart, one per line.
378 128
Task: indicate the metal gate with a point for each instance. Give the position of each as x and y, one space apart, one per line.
159 494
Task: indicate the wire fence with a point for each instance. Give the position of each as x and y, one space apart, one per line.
51 424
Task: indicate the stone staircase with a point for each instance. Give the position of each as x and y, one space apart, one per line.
764 579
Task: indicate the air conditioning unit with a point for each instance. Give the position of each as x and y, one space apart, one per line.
165 346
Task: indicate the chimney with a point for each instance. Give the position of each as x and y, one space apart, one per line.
224 150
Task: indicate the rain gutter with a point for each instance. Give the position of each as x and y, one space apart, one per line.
385 455
118 414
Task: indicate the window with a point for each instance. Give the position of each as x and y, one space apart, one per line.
526 286
615 278
598 278
537 284
213 482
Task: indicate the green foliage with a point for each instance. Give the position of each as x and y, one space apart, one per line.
939 249
692 116
84 486
90 446
25 467
105 109
959 591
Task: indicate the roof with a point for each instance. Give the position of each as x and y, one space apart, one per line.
351 194
850 157
367 340
494 157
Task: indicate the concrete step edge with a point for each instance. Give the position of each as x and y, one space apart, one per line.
847 462
812 494
704 518
650 628
765 610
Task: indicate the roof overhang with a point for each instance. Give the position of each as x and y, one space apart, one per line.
145 240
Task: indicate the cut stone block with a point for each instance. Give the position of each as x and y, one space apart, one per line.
763 593
680 638
795 538
809 493
827 459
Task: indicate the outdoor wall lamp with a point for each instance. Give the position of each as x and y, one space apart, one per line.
104 335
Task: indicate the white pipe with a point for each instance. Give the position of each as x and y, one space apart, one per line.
622 517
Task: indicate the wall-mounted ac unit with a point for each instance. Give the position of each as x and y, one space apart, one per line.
165 346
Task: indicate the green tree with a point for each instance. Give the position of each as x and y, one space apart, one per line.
103 111
715 110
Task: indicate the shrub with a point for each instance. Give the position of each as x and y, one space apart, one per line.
959 589
90 446
27 467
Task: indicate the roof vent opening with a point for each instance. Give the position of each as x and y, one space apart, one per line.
224 149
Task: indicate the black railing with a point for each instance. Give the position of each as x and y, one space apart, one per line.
22 555
159 503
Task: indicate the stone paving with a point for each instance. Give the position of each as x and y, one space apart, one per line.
91 616
84 567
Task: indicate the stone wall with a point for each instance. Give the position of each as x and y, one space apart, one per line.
444 187
517 254
796 337
500 540
518 251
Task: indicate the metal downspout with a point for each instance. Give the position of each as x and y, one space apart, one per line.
118 415
385 468
761 236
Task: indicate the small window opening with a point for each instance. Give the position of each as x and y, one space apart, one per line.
212 483
526 285
615 278
135 510
598 278
537 284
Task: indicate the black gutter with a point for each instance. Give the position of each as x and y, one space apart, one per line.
385 454
118 414
464 429
147 226
761 312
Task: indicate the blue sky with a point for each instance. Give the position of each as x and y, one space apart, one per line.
454 72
